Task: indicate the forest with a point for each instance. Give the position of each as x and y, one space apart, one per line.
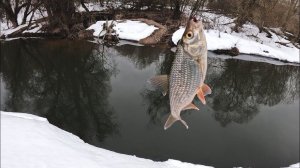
63 19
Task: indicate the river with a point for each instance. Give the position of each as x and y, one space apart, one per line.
101 94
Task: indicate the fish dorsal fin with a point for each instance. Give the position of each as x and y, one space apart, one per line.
205 89
200 96
161 82
171 120
190 106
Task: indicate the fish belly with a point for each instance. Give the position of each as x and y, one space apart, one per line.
185 79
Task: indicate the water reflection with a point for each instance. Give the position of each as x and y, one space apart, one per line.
239 88
142 57
67 82
158 105
95 92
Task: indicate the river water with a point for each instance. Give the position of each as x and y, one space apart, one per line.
101 95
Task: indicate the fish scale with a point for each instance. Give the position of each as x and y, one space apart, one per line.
185 80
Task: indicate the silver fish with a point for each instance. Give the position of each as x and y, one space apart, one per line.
187 74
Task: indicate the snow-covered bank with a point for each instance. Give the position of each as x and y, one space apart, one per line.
126 30
249 40
297 165
220 40
6 26
30 141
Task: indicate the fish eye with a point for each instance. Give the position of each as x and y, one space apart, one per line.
189 35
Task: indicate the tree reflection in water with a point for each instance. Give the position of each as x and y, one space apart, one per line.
142 57
71 78
158 105
238 89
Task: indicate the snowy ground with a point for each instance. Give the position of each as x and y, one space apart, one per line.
219 34
29 141
7 28
96 6
126 30
248 40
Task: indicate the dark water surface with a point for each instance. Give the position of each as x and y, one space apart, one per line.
101 95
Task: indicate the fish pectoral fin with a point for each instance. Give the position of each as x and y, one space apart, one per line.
200 96
205 89
171 120
190 106
161 82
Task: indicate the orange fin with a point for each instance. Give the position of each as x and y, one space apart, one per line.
161 82
200 96
190 106
205 89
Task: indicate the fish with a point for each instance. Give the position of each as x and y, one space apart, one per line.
188 73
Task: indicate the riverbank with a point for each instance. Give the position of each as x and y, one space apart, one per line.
155 28
26 137
57 148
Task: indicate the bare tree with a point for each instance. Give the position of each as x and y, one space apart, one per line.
293 6
265 11
12 9
197 5
60 15
178 7
244 13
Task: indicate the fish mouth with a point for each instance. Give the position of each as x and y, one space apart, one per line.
193 23
194 19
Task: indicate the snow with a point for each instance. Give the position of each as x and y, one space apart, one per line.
297 165
248 41
30 141
126 30
34 30
9 31
6 29
95 6
177 35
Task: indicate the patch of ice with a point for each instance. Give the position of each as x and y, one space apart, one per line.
127 30
30 141
125 42
253 58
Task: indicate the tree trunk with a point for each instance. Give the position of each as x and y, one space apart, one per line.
83 5
60 14
26 13
176 12
244 13
10 14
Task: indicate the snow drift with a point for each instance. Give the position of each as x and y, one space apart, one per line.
30 141
126 30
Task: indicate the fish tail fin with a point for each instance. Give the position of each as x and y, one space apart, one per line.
184 123
171 120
